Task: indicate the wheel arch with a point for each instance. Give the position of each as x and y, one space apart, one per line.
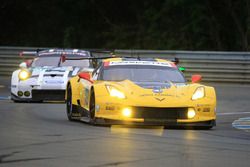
74 84
14 77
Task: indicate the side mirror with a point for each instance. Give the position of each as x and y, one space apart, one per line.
63 58
29 62
176 60
196 78
23 65
182 69
86 76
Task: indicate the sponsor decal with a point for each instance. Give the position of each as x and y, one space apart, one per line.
63 52
110 107
138 63
54 81
159 94
75 71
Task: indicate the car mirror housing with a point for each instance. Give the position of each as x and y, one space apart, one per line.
86 76
196 78
23 65
63 58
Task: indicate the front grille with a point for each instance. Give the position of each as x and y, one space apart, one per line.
48 94
53 75
160 113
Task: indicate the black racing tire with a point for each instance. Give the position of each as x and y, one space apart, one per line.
17 101
92 118
36 101
69 105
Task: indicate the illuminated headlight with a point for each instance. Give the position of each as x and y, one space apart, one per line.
127 112
191 113
24 74
199 93
114 92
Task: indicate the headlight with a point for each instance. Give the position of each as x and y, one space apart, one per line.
114 92
127 112
199 93
191 113
24 74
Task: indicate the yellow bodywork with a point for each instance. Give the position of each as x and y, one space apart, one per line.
177 96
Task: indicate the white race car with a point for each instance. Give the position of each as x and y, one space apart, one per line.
45 77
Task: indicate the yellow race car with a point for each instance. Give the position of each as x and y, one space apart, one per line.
140 91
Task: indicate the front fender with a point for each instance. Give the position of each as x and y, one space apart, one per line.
14 81
74 84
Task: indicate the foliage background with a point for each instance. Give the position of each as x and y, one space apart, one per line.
127 24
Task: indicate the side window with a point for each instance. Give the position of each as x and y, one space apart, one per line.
96 72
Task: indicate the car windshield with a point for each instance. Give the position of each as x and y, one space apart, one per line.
78 63
46 61
142 73
55 61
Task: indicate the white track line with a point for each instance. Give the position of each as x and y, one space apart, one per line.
232 113
4 97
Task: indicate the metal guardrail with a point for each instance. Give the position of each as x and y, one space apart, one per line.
10 59
227 67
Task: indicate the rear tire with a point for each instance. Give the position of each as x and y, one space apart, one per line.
17 101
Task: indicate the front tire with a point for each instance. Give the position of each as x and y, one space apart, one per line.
69 105
92 118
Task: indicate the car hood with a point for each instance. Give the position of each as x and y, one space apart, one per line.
53 71
50 75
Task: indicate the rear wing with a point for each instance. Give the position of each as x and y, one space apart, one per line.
23 53
102 54
99 54
95 60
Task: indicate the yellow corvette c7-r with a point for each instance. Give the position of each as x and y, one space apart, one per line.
141 91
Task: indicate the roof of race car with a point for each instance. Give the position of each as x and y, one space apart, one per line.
140 61
68 52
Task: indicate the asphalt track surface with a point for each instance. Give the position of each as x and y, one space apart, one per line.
39 134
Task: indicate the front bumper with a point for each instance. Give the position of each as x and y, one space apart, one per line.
41 95
166 123
48 94
166 116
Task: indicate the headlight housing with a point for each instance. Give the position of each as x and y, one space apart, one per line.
191 113
114 92
199 93
24 74
127 112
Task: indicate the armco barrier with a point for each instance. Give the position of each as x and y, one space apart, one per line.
10 59
227 67
233 67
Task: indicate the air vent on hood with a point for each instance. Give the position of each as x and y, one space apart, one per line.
153 85
53 75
